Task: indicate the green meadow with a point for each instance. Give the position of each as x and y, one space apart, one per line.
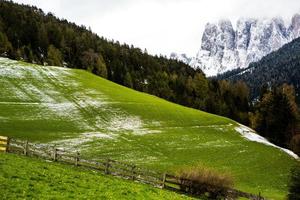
78 111
28 178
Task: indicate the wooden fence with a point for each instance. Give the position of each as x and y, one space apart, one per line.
3 143
107 166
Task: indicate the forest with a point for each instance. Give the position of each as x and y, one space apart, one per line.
277 68
29 34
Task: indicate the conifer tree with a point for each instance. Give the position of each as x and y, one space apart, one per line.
128 80
54 56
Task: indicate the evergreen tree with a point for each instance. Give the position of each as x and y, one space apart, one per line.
54 56
128 80
275 115
200 85
101 69
5 45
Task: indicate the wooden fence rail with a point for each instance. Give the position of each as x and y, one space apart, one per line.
107 166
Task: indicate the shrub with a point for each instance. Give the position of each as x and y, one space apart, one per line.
204 181
294 185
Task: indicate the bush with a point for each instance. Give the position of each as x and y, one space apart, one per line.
204 181
294 185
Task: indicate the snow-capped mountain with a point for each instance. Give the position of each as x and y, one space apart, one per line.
224 48
181 57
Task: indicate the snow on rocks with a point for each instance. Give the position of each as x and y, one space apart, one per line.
250 134
225 48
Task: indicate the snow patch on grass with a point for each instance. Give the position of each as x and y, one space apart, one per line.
35 91
10 91
121 123
250 134
89 102
61 109
97 135
61 97
217 143
18 70
113 129
7 69
127 123
84 138
10 72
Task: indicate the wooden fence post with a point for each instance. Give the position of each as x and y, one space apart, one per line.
107 165
164 180
8 145
133 172
55 154
77 158
259 196
26 148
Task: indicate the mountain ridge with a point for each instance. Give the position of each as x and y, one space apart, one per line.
225 48
278 67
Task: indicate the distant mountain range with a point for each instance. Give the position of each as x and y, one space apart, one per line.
224 48
278 67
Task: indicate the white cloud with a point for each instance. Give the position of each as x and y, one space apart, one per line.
161 26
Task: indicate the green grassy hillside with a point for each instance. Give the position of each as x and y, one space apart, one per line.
76 110
26 178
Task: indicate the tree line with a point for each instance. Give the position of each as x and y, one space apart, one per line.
277 68
275 116
274 113
29 34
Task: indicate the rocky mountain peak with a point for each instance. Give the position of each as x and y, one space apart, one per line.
294 28
224 48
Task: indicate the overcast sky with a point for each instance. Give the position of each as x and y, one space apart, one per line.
161 26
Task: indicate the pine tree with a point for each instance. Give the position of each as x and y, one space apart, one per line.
275 115
101 67
5 45
128 80
200 85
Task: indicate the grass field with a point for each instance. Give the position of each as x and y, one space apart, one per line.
76 110
28 178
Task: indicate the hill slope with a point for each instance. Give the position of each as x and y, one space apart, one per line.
29 34
282 66
80 111
36 179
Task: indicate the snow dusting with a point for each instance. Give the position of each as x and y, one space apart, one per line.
130 124
225 48
55 94
252 136
77 142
